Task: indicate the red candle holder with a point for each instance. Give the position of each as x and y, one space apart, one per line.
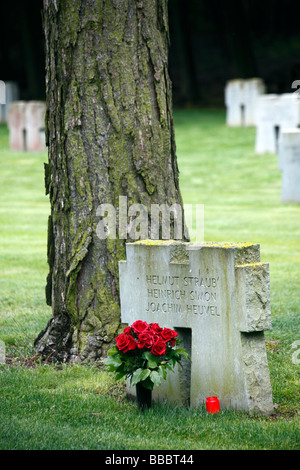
212 405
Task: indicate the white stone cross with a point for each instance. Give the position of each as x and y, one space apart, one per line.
26 123
9 92
289 164
216 295
275 113
240 100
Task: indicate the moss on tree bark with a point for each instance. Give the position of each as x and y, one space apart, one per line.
110 133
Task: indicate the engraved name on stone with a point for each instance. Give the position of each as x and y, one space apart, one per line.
187 294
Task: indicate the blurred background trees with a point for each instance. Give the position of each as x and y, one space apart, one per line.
211 41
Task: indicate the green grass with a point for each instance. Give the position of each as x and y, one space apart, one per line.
23 233
77 408
82 407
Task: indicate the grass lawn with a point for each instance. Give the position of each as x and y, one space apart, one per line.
81 406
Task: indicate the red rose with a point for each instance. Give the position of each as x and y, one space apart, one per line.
145 340
125 343
139 326
167 334
127 330
158 348
155 327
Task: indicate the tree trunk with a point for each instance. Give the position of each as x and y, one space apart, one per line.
109 130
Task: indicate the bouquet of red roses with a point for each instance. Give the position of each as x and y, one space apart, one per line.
144 352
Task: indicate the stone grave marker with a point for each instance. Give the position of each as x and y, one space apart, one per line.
267 124
216 295
240 100
35 125
253 88
289 110
17 125
233 92
2 93
11 91
289 164
26 123
275 113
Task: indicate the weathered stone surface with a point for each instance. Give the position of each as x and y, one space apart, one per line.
256 373
253 299
216 295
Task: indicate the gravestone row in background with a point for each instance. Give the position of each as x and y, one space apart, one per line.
247 104
217 297
277 131
277 121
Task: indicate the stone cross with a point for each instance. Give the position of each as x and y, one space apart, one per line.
17 125
275 113
11 92
26 123
35 125
267 125
289 164
240 100
216 296
2 94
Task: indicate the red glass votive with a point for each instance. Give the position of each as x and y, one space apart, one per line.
212 405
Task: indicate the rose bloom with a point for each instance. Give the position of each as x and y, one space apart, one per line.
139 326
158 348
125 343
145 340
127 330
167 334
155 327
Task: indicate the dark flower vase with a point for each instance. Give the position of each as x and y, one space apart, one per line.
143 396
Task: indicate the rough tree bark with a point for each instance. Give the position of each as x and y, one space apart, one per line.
110 133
